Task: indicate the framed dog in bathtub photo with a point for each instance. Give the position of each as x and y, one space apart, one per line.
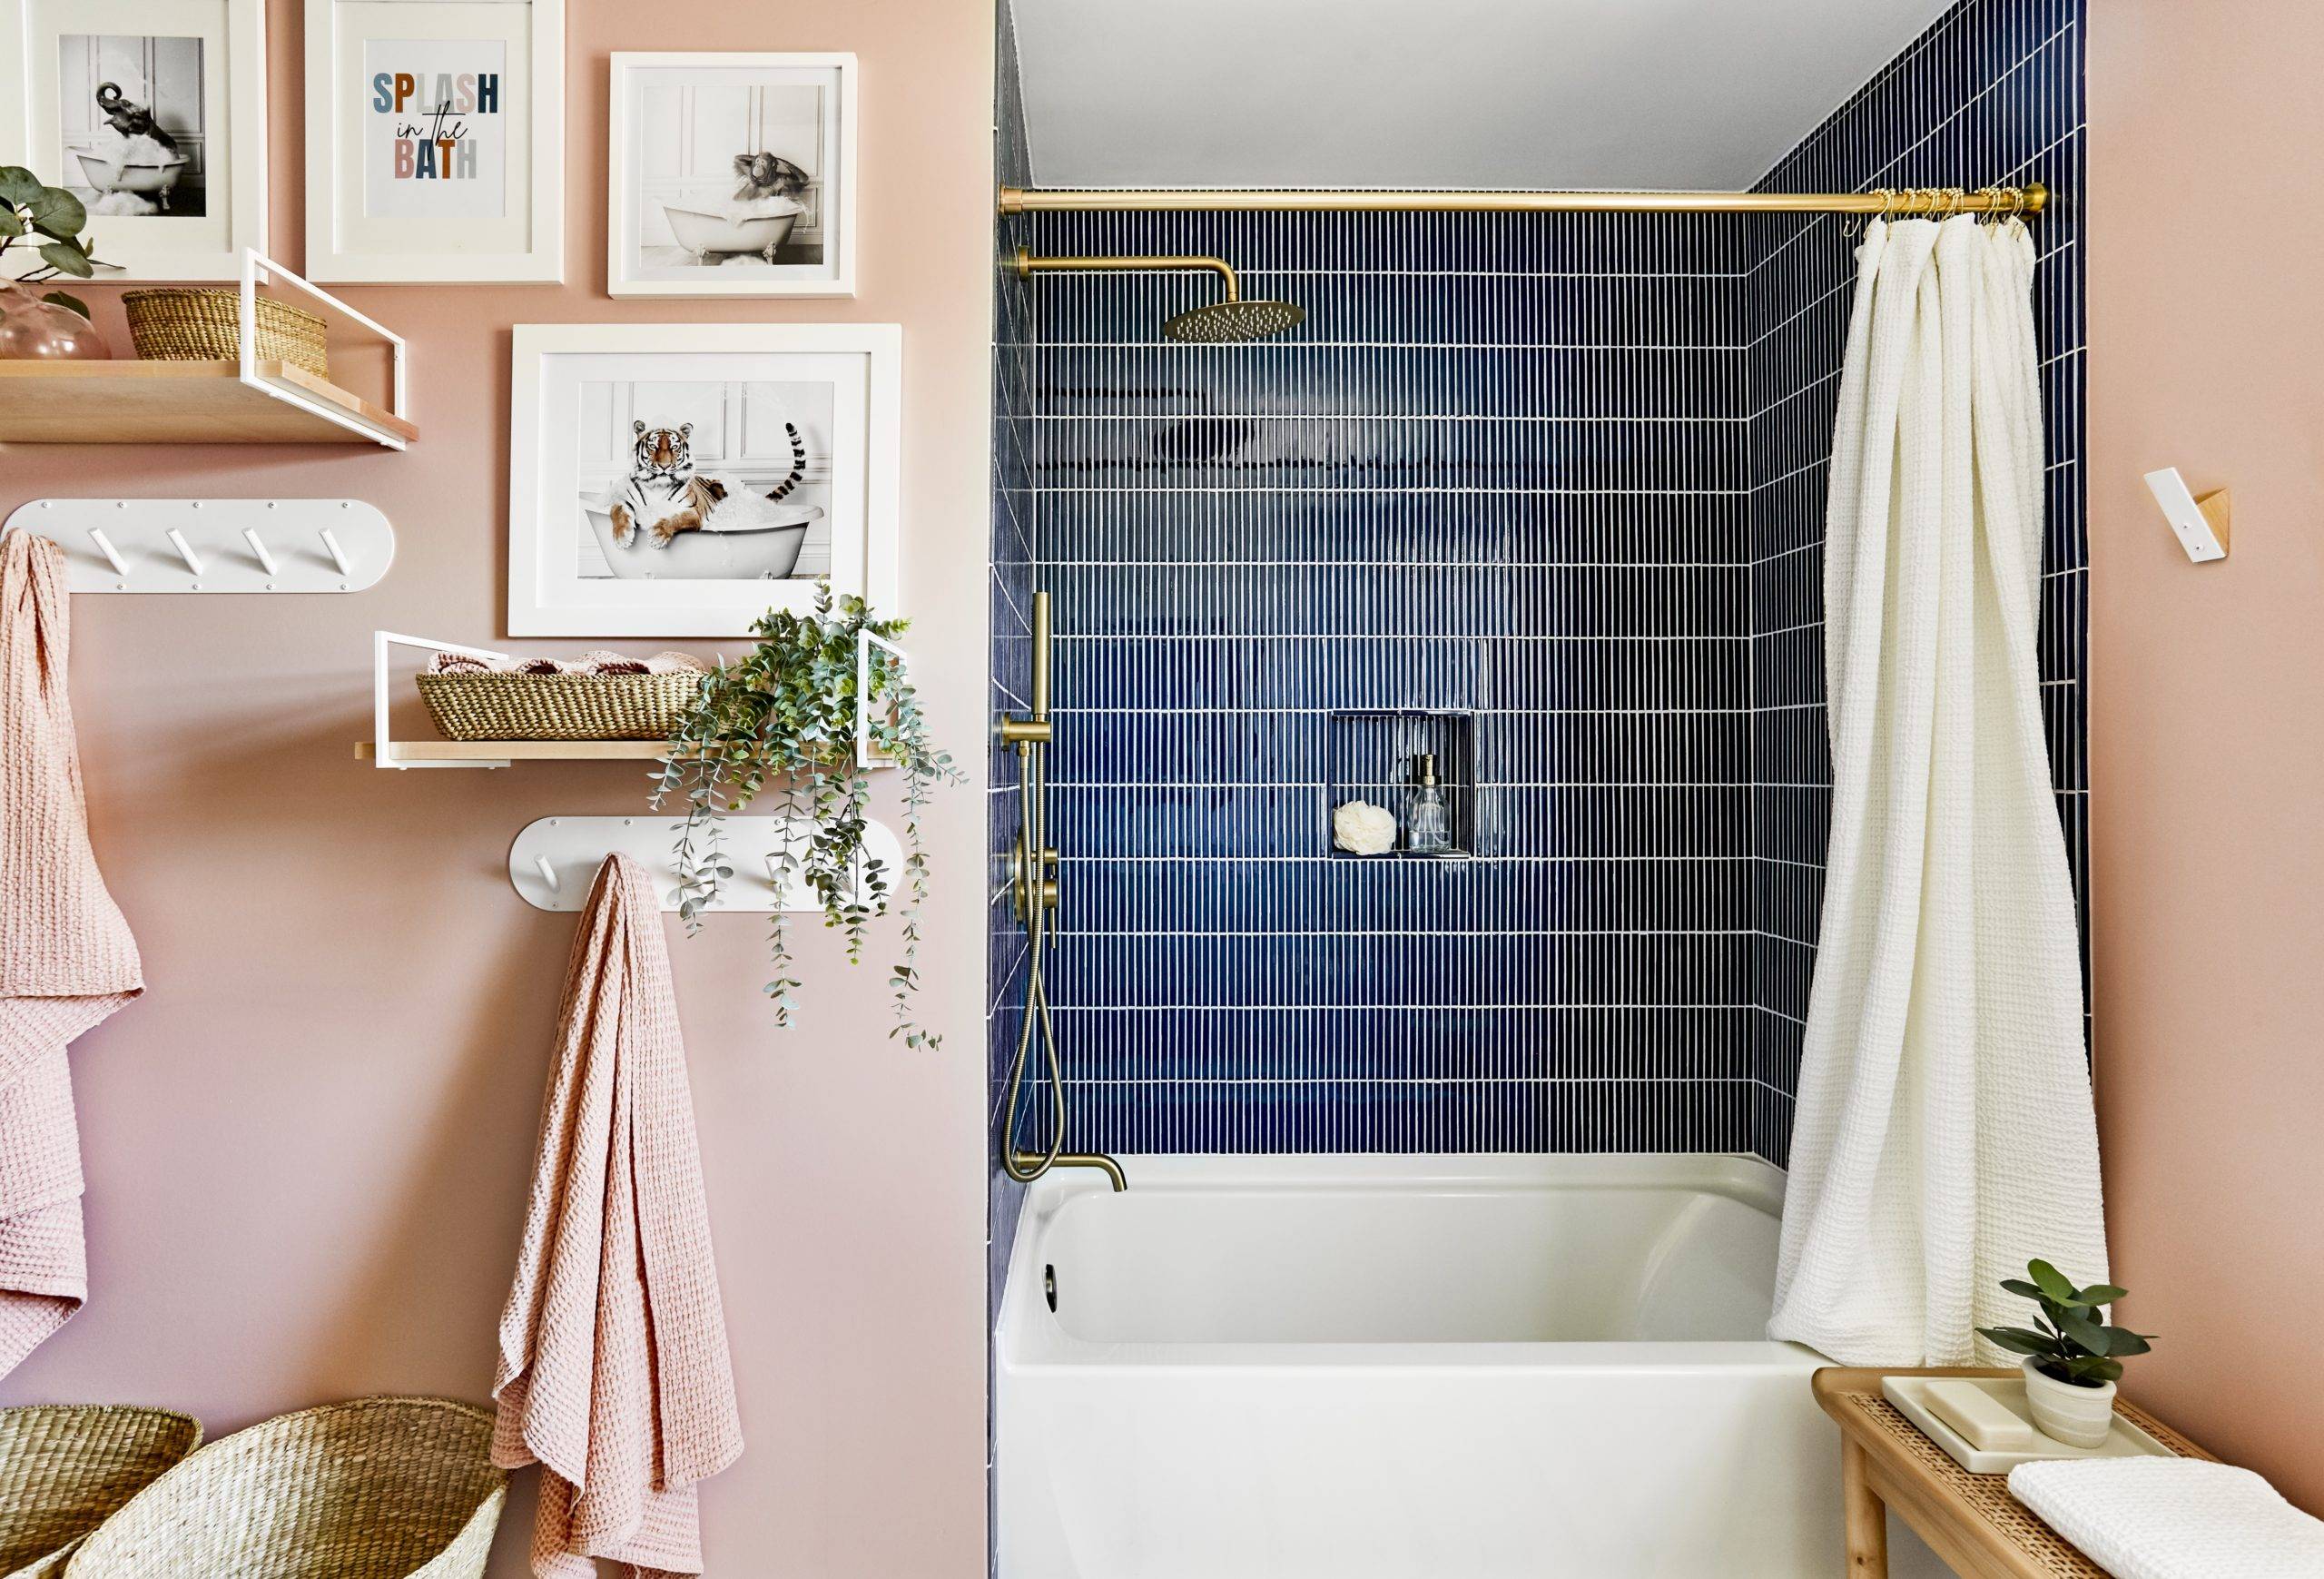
731 174
152 113
682 479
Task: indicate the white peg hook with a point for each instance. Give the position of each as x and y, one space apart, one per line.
547 871
111 554
185 551
258 546
337 554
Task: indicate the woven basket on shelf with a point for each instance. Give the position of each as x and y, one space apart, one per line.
205 326
65 1467
378 1488
504 706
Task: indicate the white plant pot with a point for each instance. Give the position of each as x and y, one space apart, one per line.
2077 1416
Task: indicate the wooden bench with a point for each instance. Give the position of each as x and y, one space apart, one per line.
1969 1520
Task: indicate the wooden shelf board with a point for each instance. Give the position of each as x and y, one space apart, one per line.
166 402
517 750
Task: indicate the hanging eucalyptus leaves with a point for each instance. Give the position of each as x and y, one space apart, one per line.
783 719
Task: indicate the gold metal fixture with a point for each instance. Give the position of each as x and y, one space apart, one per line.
1020 882
1231 318
2029 198
1035 896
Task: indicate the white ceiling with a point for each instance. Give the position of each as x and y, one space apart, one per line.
1440 93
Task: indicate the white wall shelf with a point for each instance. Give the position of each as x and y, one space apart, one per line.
214 544
553 862
252 399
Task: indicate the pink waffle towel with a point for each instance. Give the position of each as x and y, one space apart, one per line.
66 958
614 1372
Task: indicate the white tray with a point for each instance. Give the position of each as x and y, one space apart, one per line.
1910 1395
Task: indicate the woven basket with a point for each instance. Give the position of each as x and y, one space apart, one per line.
378 1488
504 707
65 1467
205 326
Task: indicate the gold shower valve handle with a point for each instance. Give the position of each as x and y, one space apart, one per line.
1024 732
1020 882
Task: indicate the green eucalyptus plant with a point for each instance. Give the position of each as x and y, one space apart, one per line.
2069 1340
49 219
783 716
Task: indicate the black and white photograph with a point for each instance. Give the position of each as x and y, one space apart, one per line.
730 175
685 478
133 124
704 481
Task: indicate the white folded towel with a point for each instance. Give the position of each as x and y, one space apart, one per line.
2172 1518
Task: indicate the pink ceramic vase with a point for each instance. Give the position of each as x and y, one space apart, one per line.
33 330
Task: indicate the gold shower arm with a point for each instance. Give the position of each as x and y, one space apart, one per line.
1029 265
2029 198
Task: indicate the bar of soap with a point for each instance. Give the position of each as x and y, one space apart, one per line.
1983 1421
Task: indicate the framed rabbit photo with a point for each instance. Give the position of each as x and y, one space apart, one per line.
153 114
683 479
436 140
731 175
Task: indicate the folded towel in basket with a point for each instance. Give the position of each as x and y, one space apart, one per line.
2172 1518
66 958
596 663
614 1372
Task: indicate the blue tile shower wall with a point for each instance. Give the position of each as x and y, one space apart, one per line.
1993 91
1501 471
1559 473
1010 596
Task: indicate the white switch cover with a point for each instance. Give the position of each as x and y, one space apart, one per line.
2200 523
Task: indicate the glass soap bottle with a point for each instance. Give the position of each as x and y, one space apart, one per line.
1427 829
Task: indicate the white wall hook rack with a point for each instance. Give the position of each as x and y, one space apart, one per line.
214 544
553 862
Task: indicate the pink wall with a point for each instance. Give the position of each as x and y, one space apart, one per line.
2206 217
308 1145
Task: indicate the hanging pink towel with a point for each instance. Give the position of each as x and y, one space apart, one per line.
66 958
614 1372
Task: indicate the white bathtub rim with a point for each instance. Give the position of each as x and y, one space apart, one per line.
1029 1340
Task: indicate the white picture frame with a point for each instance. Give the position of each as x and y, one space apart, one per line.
682 218
191 71
492 211
800 425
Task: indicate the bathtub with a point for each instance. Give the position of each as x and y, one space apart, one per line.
710 235
1406 1368
766 551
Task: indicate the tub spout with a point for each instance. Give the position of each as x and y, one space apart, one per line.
1096 1160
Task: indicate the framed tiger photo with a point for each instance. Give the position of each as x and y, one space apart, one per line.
683 479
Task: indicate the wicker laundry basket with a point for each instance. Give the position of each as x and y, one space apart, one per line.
65 1467
376 1488
205 326
496 706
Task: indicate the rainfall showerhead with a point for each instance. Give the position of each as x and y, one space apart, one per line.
1229 322
1233 320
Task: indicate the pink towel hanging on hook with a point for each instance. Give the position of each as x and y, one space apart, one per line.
613 1371
66 958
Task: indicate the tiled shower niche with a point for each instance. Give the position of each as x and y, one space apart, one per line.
1371 753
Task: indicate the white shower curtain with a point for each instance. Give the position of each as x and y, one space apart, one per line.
1944 1133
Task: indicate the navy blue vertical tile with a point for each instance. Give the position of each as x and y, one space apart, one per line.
1558 478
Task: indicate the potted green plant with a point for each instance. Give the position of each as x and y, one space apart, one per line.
781 718
2073 1358
48 219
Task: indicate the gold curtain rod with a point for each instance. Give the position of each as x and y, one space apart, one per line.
2030 199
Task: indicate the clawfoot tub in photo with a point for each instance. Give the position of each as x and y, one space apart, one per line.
150 181
706 236
765 550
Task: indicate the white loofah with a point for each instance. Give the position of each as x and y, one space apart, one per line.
1363 828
